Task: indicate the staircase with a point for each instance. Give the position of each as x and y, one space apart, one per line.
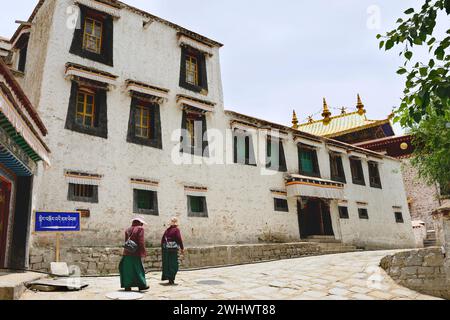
430 240
330 245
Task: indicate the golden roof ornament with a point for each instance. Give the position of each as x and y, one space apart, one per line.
343 110
326 114
360 106
294 120
310 119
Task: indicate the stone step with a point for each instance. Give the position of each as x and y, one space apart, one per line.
323 240
322 237
429 243
13 285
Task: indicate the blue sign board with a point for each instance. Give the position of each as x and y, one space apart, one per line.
57 222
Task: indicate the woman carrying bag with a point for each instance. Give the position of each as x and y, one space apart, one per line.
132 273
171 242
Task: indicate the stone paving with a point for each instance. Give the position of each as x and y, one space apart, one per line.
348 276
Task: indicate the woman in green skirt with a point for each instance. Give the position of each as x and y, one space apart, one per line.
132 273
171 242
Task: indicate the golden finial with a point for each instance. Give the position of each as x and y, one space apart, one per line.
360 106
326 114
343 110
310 119
294 120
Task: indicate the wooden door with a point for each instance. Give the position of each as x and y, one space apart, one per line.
5 197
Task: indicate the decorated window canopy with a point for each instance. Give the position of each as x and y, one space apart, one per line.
193 104
83 178
147 92
144 184
305 186
202 46
109 7
81 73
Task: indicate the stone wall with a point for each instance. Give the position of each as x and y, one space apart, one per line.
424 198
103 261
420 270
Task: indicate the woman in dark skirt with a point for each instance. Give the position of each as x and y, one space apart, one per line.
171 242
132 273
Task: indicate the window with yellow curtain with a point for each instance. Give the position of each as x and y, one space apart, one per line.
92 37
85 112
142 122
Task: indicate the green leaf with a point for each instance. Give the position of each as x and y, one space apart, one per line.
431 63
409 11
418 41
401 71
389 44
423 71
381 44
408 55
378 36
431 41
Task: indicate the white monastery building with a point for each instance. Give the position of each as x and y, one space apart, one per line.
115 88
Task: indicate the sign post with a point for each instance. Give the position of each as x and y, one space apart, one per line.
57 222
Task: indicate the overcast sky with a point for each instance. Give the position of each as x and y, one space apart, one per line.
281 55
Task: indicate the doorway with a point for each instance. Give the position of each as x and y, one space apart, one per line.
5 196
314 218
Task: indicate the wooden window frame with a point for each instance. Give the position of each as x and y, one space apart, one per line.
204 213
154 195
84 114
72 196
282 167
155 137
201 76
192 69
100 127
90 19
363 213
249 156
105 43
143 112
336 159
189 145
315 161
278 207
343 212
356 164
374 177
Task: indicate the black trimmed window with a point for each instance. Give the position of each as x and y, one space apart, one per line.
22 47
336 168
281 205
343 212
357 171
197 207
399 217
193 74
194 138
363 213
93 37
145 202
243 151
276 159
82 193
144 126
307 161
87 112
374 175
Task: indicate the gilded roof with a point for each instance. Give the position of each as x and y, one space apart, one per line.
341 124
